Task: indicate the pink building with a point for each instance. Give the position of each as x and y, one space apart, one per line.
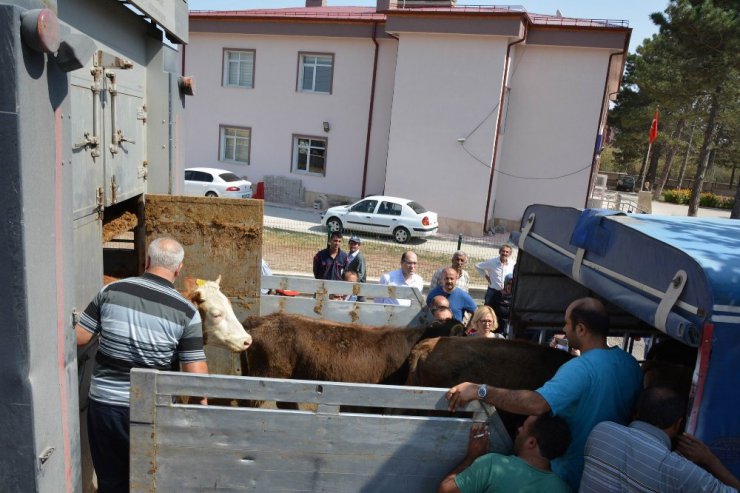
476 112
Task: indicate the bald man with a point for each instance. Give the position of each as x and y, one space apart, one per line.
600 385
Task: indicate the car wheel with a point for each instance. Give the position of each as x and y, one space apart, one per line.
211 194
401 235
334 225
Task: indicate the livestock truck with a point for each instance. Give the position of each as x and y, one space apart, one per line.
91 122
91 103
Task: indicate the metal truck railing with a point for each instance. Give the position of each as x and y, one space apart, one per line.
179 447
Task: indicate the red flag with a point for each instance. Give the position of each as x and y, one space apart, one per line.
654 129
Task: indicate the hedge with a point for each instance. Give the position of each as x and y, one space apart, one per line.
706 199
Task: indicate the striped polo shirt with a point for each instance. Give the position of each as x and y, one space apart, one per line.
638 458
143 322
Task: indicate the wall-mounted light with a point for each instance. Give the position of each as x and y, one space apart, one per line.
327 127
461 140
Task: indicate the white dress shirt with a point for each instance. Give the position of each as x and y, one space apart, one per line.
496 272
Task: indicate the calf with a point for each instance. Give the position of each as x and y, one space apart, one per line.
292 346
220 325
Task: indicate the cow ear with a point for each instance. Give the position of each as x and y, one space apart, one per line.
196 297
190 284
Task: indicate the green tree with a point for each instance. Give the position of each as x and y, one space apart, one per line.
703 40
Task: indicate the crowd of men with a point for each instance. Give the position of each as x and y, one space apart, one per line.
448 295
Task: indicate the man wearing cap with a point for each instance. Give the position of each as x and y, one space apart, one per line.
356 261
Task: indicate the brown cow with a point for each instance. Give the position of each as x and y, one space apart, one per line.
296 347
447 361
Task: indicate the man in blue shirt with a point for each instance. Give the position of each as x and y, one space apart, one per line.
600 385
460 301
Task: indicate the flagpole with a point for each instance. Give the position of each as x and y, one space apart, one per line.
651 138
643 170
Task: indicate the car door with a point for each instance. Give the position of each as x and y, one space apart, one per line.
201 182
191 187
360 215
387 217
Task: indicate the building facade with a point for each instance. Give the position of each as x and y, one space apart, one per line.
475 112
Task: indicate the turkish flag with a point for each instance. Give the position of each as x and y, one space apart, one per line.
654 129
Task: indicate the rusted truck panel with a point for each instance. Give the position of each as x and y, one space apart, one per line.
221 237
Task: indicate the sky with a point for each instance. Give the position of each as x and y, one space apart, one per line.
637 12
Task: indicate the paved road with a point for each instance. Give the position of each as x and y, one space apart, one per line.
668 209
308 220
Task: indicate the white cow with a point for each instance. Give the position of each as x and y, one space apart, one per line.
220 325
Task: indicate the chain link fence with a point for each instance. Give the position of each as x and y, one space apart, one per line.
289 246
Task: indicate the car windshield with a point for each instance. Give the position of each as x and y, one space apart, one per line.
417 207
229 177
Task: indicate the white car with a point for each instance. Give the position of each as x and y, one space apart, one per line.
213 182
401 218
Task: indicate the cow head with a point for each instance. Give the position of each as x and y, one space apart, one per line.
220 325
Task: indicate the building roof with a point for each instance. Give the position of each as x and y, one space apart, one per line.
370 14
303 13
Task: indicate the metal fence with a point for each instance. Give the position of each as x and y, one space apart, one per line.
289 246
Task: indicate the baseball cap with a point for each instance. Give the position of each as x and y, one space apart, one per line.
356 239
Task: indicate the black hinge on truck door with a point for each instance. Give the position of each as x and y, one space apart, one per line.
99 202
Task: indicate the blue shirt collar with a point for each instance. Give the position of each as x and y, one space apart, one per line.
660 435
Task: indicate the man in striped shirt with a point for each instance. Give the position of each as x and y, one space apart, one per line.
638 457
143 322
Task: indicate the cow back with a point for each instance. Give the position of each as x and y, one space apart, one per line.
447 361
297 347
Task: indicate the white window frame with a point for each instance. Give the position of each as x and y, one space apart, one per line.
224 138
304 62
244 55
297 151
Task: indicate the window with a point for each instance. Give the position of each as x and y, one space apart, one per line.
366 206
309 155
390 208
234 144
238 68
315 72
417 207
200 176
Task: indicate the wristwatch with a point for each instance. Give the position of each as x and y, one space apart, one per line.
482 391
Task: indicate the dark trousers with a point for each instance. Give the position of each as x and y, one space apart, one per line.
108 431
494 299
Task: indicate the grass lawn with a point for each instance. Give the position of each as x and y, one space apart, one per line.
293 251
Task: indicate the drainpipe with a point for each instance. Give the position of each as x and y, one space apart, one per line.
370 111
498 120
604 112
